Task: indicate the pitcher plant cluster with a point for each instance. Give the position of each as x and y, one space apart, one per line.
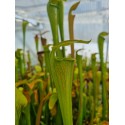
60 90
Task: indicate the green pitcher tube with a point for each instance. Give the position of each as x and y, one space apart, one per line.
24 25
62 73
94 71
37 42
53 17
71 26
16 69
55 10
103 71
80 72
61 22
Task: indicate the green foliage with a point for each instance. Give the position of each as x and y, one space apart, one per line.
104 89
81 101
62 74
66 90
20 103
71 25
52 100
24 26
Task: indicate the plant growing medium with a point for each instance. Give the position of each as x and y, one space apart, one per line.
60 89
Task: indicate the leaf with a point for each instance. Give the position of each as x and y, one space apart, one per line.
17 53
100 44
47 57
16 70
71 25
68 42
53 111
21 82
74 6
103 34
104 89
52 100
93 57
20 102
75 75
27 114
19 56
36 42
24 25
81 101
35 84
37 68
62 73
20 99
95 85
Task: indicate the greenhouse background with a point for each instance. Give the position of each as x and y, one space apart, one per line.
91 19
